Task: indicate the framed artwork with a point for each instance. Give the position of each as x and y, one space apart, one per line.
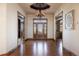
69 20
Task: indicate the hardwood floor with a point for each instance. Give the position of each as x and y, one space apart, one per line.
59 48
40 48
36 48
62 51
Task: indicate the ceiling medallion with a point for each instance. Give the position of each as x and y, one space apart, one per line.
40 7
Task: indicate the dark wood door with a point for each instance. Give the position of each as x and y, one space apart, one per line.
40 31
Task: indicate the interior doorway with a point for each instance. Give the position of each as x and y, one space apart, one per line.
59 25
21 27
59 35
40 29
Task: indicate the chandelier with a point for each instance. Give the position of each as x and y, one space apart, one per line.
40 7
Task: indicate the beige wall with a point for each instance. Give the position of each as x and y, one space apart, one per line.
12 25
26 27
30 25
50 31
2 28
70 37
9 26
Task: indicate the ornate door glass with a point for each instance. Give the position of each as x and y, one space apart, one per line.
40 29
34 28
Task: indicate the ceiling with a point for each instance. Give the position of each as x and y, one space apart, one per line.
52 9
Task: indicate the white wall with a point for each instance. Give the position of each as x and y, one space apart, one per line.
30 25
2 28
9 26
50 30
26 27
12 25
70 37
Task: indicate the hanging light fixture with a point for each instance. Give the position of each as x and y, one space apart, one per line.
40 7
40 14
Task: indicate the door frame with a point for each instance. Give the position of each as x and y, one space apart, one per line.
43 27
56 17
18 13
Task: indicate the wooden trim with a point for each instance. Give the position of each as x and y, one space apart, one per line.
59 14
43 26
29 38
18 13
39 39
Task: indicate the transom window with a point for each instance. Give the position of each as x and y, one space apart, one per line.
40 21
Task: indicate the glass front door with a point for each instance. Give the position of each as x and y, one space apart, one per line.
40 30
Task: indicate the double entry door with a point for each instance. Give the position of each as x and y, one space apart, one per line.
40 30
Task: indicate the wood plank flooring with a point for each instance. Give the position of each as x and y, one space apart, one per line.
40 48
36 48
